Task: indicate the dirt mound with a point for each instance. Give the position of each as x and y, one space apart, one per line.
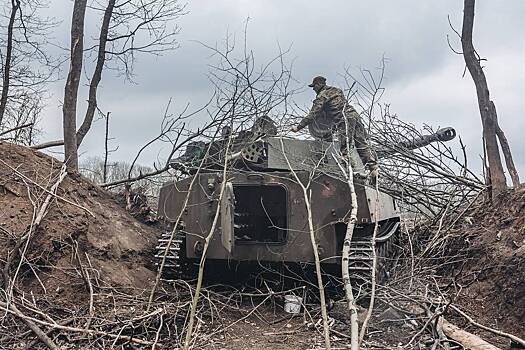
85 230
493 278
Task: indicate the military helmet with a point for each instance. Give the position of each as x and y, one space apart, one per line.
318 80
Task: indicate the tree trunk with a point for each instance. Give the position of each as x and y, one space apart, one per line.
488 116
345 272
97 74
505 148
69 108
106 151
15 6
324 312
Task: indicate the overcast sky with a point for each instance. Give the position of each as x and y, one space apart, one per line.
424 82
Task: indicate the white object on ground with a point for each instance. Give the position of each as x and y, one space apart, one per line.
292 304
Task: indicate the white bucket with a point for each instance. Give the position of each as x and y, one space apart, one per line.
292 304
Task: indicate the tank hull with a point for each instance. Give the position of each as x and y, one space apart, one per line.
263 216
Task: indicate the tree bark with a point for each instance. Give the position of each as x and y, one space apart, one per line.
48 144
69 108
468 340
32 325
505 148
318 272
106 151
488 116
345 272
15 6
97 74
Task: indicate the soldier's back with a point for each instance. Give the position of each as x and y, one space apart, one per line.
335 101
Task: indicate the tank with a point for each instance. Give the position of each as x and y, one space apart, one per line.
263 216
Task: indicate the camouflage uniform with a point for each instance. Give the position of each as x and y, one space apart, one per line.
331 102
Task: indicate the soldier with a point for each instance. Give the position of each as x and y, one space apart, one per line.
331 103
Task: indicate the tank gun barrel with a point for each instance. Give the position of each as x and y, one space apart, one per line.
443 135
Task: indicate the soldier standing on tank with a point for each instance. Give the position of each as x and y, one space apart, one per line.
331 102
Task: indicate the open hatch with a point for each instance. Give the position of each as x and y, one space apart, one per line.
259 214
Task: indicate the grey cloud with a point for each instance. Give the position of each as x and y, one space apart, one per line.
423 76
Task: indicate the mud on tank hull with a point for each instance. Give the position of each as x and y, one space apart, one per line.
263 219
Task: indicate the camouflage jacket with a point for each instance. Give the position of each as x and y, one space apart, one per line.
332 101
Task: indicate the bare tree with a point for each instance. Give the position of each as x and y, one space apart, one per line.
22 120
97 74
253 93
431 181
107 151
347 171
26 66
69 108
15 6
130 27
307 198
489 120
417 169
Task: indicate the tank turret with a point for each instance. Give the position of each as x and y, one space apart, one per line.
260 149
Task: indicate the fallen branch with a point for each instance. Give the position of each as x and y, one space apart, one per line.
48 144
442 339
505 148
468 340
488 329
32 228
51 193
32 344
37 330
280 333
26 318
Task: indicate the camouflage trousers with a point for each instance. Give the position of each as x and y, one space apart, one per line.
360 138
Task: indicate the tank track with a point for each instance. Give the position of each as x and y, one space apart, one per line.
361 261
176 264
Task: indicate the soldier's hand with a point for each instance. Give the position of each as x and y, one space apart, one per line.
294 129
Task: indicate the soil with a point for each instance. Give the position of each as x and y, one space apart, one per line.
493 276
104 237
253 333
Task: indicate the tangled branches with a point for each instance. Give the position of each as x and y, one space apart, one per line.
427 180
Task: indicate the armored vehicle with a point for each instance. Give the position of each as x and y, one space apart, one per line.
263 214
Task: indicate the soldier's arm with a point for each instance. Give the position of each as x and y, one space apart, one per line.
316 109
